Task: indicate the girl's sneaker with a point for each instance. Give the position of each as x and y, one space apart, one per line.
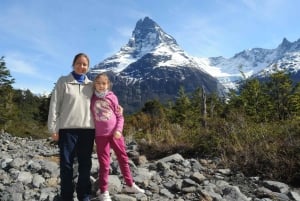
104 196
134 189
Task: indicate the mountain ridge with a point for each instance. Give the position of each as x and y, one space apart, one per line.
259 62
153 66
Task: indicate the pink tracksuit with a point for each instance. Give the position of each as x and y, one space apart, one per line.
107 121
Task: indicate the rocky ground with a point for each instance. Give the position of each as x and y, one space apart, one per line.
29 171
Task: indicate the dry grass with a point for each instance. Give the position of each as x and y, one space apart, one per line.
268 150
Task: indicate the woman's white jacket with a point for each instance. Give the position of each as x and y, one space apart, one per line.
70 104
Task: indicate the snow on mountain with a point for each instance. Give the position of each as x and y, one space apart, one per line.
254 62
289 62
147 38
153 65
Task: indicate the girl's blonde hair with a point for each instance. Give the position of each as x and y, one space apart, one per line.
105 76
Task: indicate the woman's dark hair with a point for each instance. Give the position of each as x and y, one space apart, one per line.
81 55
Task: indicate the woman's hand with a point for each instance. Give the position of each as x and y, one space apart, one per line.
55 137
120 109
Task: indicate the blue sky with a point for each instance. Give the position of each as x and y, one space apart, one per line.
40 38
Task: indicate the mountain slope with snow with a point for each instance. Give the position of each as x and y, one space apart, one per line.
148 38
153 66
256 62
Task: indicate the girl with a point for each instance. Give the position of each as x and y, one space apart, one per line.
109 126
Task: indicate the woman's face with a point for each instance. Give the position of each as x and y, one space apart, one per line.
81 65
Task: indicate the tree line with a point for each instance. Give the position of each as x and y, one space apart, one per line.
21 112
255 129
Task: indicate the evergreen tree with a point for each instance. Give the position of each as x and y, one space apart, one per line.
6 94
42 115
182 107
254 100
280 90
27 104
156 113
198 107
294 101
6 79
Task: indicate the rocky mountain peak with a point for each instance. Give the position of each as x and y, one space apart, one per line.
146 37
153 66
147 32
285 43
284 46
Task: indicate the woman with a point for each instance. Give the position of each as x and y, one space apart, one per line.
71 124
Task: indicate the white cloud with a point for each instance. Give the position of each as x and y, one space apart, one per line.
20 66
265 9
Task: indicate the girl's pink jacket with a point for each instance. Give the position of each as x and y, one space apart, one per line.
106 115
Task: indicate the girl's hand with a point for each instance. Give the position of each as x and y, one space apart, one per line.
117 135
55 137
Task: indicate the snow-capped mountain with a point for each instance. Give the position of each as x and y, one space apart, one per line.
288 60
148 37
256 62
153 66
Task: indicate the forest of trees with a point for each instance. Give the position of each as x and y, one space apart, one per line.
255 129
22 113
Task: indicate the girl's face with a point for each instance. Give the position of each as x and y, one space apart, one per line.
101 84
81 65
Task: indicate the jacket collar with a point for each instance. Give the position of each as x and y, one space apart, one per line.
72 80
